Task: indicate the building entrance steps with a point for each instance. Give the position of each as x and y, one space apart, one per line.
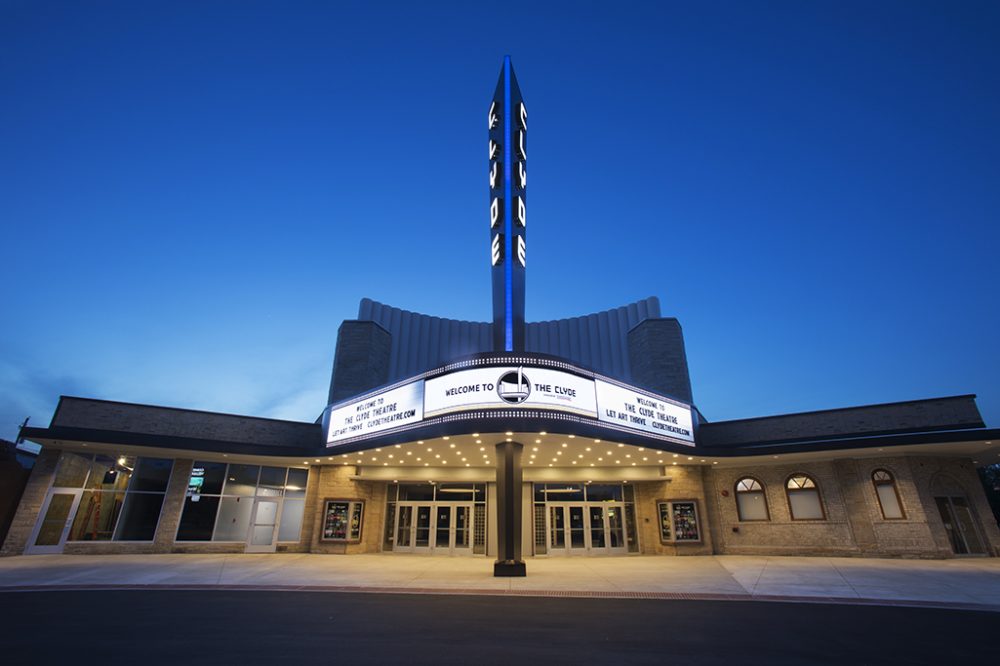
959 583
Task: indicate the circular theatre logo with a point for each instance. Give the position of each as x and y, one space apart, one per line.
513 387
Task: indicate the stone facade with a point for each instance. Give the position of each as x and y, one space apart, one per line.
680 483
335 482
854 524
31 503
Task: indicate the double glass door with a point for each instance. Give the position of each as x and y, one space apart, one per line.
960 525
443 528
586 528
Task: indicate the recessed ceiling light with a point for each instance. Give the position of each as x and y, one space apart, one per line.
543 433
565 445
475 434
446 437
508 433
572 436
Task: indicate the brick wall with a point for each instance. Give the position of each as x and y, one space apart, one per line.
657 358
31 503
855 524
685 483
335 482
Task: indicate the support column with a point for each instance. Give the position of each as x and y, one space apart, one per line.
509 562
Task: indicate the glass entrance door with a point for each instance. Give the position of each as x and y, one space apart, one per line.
57 518
586 528
263 526
960 525
441 528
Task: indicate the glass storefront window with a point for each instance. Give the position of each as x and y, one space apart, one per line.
241 480
415 491
219 504
110 473
139 517
198 519
272 481
96 516
72 470
122 499
598 492
234 519
296 485
291 520
151 475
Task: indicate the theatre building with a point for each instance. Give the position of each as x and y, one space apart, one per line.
511 440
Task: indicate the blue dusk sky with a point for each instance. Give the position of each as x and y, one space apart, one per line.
194 195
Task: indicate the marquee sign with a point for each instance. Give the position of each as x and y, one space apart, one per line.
506 387
509 386
397 407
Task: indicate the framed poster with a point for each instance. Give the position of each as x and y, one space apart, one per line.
342 520
678 521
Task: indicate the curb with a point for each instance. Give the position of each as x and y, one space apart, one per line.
576 594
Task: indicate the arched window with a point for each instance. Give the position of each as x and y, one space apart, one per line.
888 495
803 498
751 503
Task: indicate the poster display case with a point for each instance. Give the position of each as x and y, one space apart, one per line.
342 520
678 521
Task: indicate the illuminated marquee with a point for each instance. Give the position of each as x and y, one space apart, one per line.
499 387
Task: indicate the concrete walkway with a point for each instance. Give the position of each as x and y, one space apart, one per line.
965 583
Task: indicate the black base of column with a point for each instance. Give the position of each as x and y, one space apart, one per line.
509 569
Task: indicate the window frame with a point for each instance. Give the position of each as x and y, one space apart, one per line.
895 489
815 488
763 493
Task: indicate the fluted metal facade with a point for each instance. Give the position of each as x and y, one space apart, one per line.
597 341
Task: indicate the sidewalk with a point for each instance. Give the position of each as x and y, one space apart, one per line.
964 583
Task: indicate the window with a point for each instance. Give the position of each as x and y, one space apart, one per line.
888 495
342 520
803 498
220 500
751 502
122 497
678 522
